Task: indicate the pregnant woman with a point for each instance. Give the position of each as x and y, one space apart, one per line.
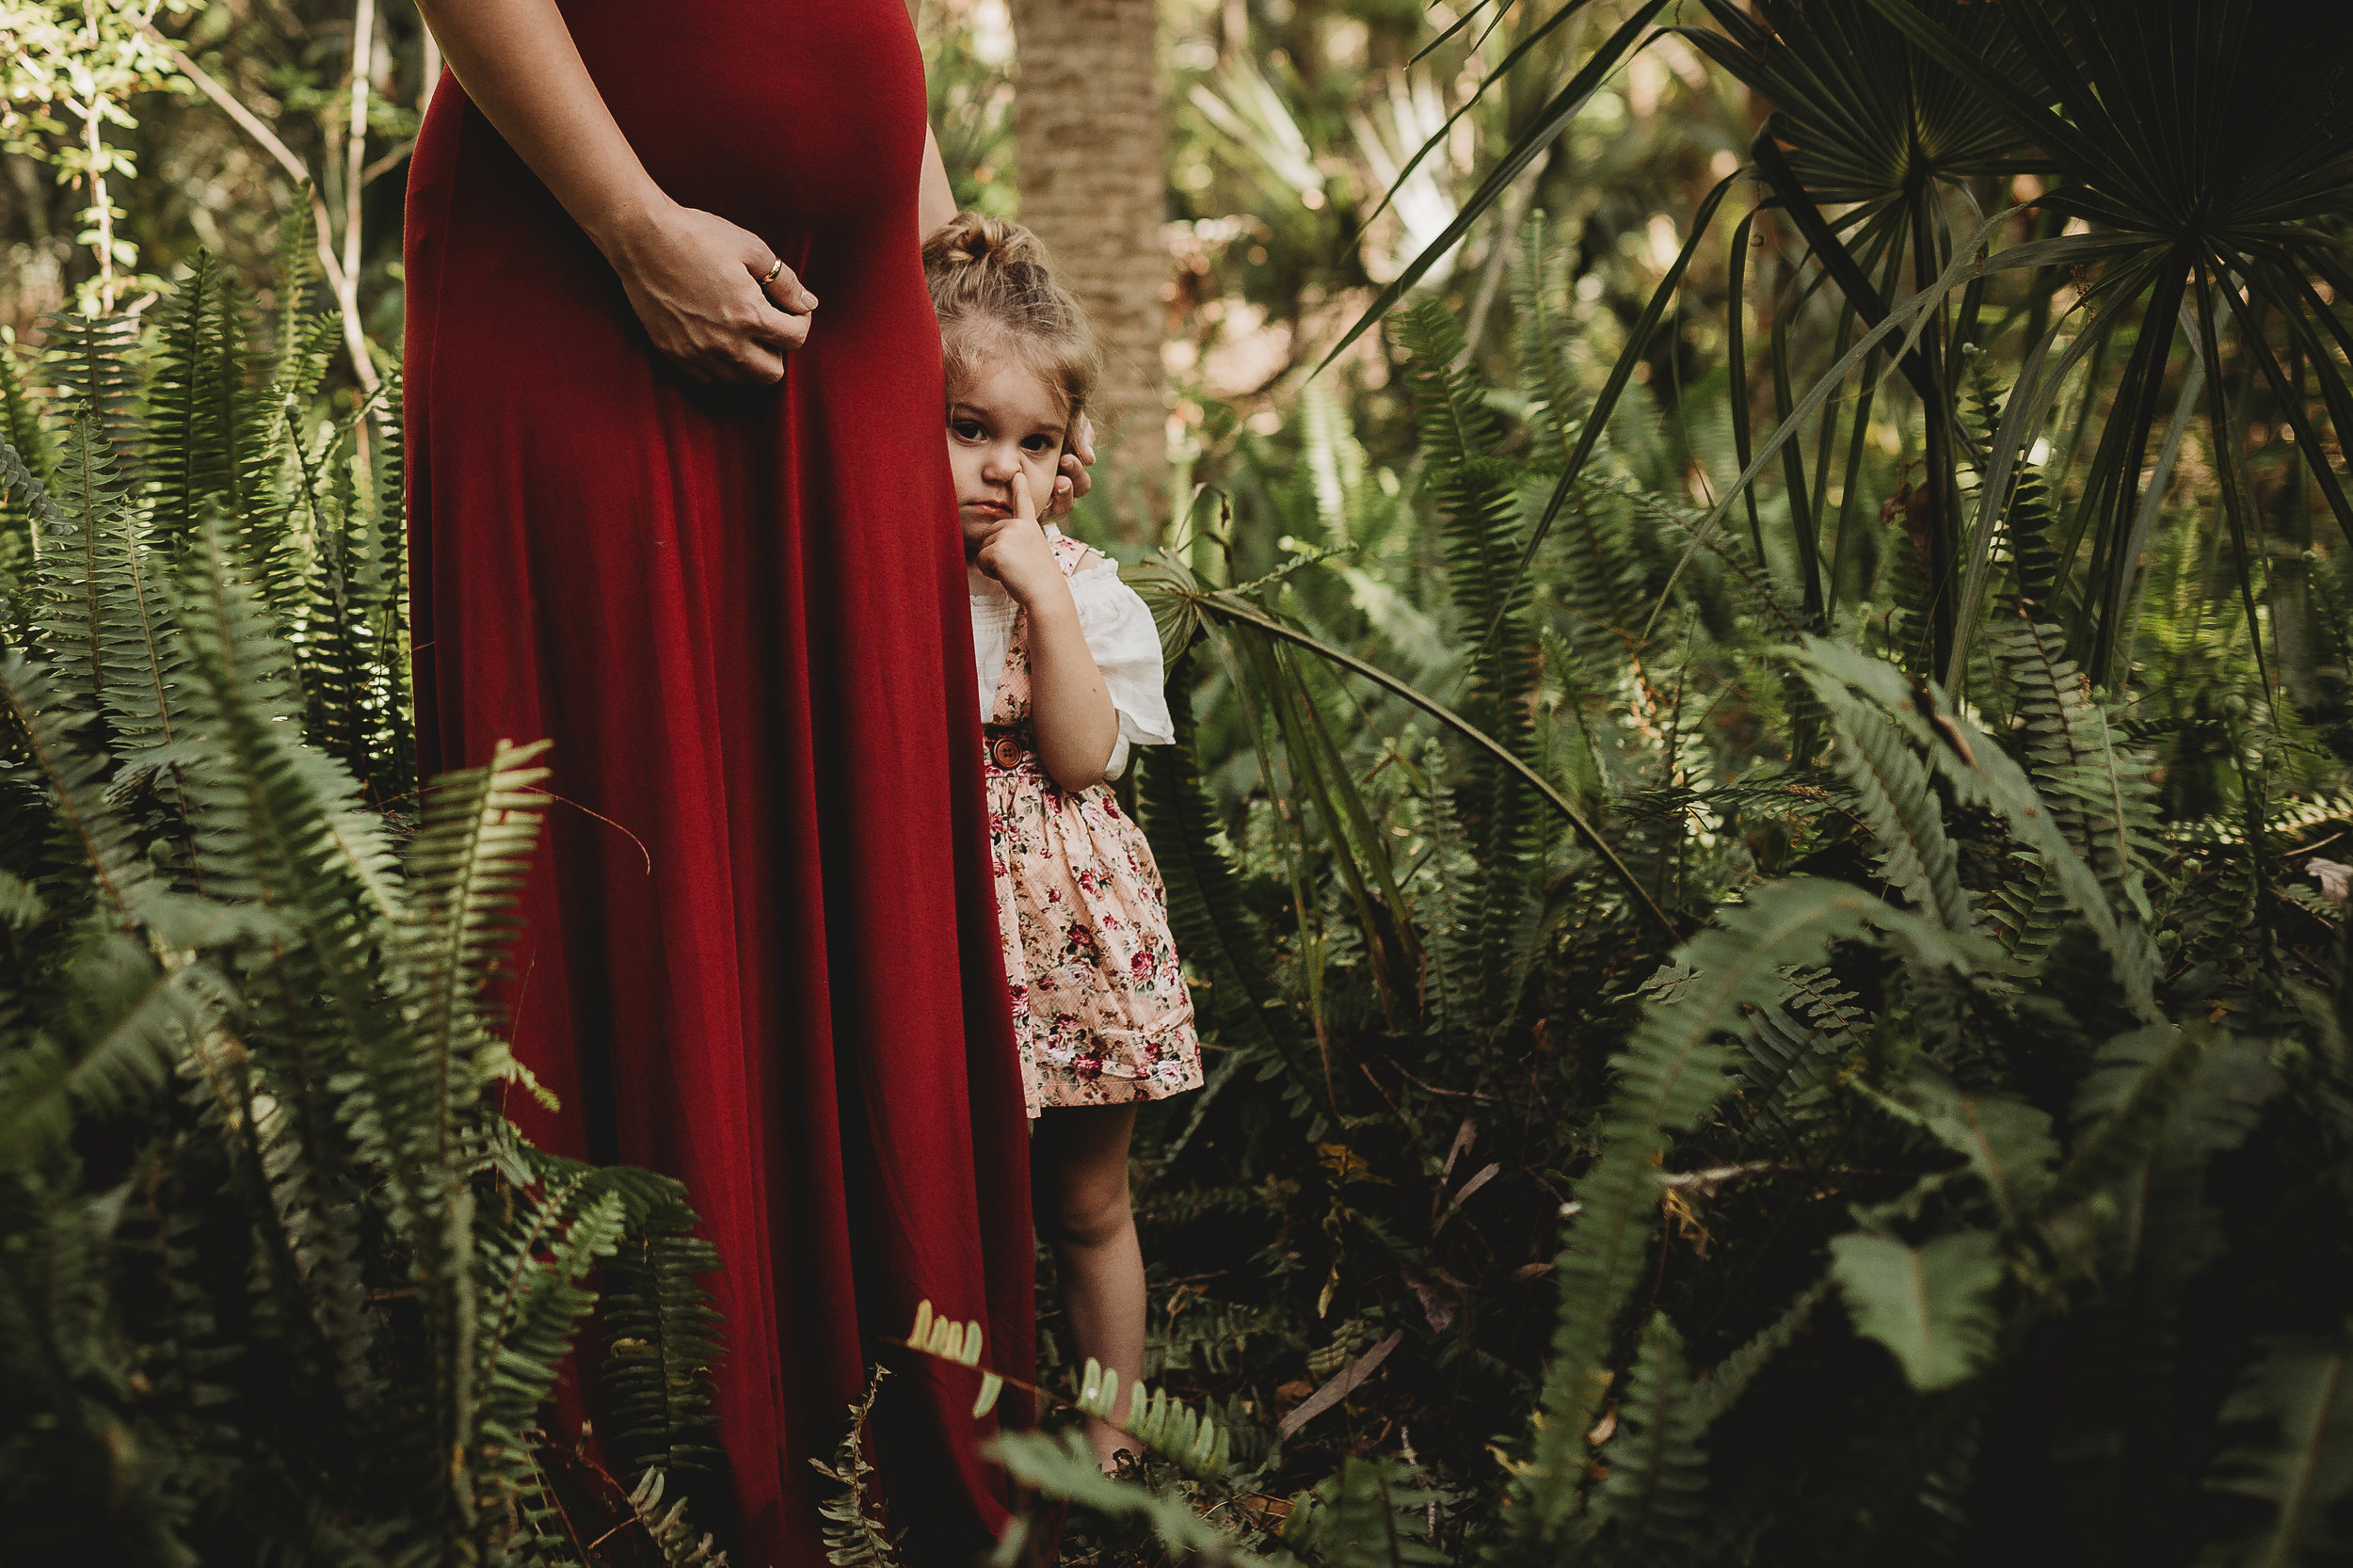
679 501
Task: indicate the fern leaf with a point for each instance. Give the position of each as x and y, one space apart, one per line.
1981 774
131 1021
516 1323
1063 1466
1931 1305
2298 1457
465 870
88 359
71 774
1723 1386
198 420
2098 791
2161 1084
853 1538
1655 1496
1671 1074
2007 1142
672 1535
1365 1516
1477 495
1901 807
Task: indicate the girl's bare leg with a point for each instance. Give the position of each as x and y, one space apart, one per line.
1079 1175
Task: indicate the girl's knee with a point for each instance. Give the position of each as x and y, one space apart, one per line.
1088 1212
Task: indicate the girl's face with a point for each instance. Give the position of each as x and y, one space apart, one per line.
1006 420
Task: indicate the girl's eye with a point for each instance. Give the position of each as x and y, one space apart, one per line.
965 429
1036 445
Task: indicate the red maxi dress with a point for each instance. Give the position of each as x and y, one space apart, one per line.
761 952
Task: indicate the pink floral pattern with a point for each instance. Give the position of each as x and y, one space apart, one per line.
1099 1004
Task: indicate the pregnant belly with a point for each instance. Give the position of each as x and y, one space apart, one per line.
786 116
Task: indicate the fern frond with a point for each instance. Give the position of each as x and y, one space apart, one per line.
72 774
130 1021
1794 1045
25 466
660 1343
464 872
198 421
88 362
1368 1515
2097 788
2007 1142
672 1535
1892 790
514 1326
2028 532
1720 1388
2186 1087
852 1537
1671 1074
1654 1497
1981 774
1930 1306
1476 496
2297 1407
1063 1466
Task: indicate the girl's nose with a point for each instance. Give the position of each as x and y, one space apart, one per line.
999 465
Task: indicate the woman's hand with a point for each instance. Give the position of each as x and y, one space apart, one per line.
1015 554
1073 480
694 279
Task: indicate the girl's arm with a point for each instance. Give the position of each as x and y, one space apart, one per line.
692 276
1070 708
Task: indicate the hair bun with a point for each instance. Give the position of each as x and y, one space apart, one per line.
976 239
994 289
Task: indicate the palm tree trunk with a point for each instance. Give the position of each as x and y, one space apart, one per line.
1092 135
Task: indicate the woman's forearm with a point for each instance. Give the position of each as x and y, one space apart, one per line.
1070 708
516 60
936 199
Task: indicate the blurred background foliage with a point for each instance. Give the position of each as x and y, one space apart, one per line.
1760 605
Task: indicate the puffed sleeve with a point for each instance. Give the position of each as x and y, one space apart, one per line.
1126 648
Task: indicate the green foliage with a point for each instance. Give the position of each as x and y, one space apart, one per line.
1999 1124
2298 1455
1931 1307
853 1538
283 1283
1617 928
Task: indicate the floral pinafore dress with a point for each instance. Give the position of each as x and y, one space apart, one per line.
1099 1004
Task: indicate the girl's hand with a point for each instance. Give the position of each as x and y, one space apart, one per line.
1073 480
1016 554
694 279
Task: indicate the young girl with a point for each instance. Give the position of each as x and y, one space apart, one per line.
1069 667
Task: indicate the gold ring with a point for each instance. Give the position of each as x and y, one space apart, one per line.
773 273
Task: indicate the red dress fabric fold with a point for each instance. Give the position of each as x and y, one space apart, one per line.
761 952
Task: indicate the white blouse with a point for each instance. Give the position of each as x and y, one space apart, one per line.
1119 633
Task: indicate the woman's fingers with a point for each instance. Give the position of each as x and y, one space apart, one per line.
785 291
1071 481
695 280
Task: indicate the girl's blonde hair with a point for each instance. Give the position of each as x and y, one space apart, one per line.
995 291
